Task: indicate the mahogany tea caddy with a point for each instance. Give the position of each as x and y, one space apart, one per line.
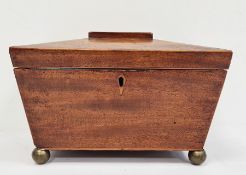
119 91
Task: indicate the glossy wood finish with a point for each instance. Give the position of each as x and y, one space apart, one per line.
120 50
82 109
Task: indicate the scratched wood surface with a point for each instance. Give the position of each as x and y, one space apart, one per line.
119 50
83 109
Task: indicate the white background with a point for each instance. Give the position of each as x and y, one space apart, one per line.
216 23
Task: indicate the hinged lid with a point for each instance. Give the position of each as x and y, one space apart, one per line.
119 50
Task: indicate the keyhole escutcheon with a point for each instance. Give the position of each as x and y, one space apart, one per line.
121 82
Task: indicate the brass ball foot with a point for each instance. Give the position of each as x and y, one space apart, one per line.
40 156
197 157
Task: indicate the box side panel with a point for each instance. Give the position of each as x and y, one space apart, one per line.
84 109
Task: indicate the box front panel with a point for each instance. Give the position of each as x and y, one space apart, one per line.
82 109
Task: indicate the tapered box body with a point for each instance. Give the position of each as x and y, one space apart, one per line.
119 91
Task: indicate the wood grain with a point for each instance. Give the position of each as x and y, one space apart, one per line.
119 53
83 109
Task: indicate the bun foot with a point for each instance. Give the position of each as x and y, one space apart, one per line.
197 157
40 156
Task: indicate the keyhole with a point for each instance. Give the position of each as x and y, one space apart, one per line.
121 81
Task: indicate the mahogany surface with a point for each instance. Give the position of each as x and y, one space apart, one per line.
101 51
73 99
83 109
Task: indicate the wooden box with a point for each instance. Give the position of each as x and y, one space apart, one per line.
119 91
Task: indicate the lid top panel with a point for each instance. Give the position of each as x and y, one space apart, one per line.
125 44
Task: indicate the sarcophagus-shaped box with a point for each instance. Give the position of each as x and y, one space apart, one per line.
119 91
